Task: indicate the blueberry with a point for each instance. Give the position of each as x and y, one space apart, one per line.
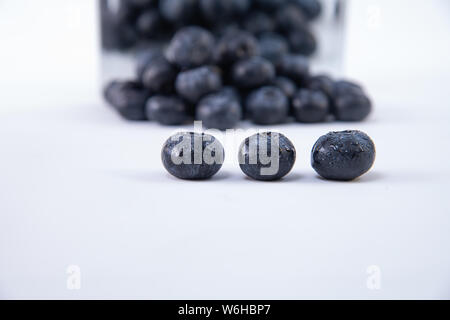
219 110
310 106
322 83
343 87
294 67
179 12
159 75
196 83
259 22
192 156
146 57
273 46
253 72
148 23
303 41
267 156
350 103
290 18
217 10
235 45
352 107
167 110
286 85
269 4
232 93
343 155
141 3
191 47
128 98
311 8
268 105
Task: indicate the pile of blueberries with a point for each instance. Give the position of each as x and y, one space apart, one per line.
221 78
137 23
225 80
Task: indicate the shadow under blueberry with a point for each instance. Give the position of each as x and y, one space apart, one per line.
292 177
368 177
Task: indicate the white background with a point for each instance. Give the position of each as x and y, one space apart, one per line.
78 186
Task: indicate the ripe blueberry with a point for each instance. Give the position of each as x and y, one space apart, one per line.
311 8
267 105
148 23
192 156
350 103
167 110
267 156
343 155
286 85
216 10
179 12
128 98
190 47
303 41
159 75
235 45
253 72
322 83
290 18
259 22
294 67
219 110
273 46
196 83
310 106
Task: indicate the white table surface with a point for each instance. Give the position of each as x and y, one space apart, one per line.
79 186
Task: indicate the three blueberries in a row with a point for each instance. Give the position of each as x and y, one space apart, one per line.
269 156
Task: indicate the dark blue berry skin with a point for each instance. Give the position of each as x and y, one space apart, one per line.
191 47
350 103
128 98
294 67
273 46
167 110
268 105
232 93
352 107
259 22
145 58
322 83
343 87
343 155
286 85
235 45
310 106
219 110
290 18
194 84
253 72
311 8
148 23
159 75
303 41
179 12
286 156
195 170
217 10
142 3
269 4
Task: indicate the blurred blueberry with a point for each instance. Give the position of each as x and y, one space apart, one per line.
194 84
191 47
267 105
167 110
